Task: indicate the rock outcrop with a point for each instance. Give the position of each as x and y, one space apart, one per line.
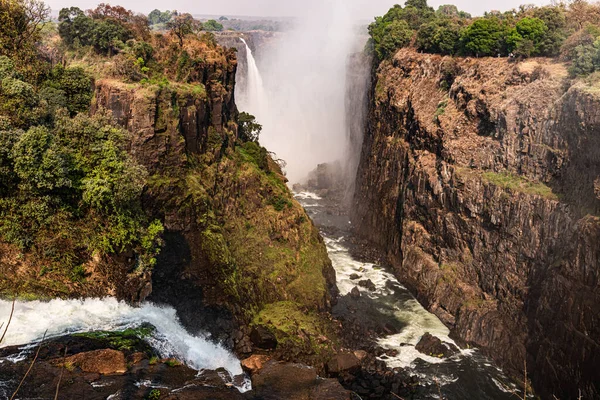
235 238
477 181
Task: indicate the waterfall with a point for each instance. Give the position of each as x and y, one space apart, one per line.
254 100
60 317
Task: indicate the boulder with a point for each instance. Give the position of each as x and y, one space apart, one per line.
354 277
355 293
105 362
262 337
290 381
343 362
433 346
254 363
360 354
367 283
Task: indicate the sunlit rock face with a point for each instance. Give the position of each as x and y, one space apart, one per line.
477 180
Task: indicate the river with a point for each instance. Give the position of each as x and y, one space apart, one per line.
466 375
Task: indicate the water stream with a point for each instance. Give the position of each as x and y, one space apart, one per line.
170 339
467 375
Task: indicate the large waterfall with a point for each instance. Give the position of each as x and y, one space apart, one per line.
254 100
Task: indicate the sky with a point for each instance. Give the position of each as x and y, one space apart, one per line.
281 8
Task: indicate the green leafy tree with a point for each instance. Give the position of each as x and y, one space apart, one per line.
389 37
109 36
39 161
75 28
586 59
21 22
556 21
160 17
484 37
440 36
249 129
212 26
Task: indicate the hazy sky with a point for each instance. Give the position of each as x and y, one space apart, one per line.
365 8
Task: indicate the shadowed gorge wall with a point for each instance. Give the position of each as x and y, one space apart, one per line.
477 180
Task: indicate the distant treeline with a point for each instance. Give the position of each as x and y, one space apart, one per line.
566 30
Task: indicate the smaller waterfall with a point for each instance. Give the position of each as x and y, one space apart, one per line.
60 317
254 100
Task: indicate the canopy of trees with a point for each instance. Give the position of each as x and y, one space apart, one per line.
106 28
570 31
212 26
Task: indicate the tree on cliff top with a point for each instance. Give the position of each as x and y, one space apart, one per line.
21 22
183 25
212 26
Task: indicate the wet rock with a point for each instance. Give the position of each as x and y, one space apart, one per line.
343 362
433 346
278 380
263 338
355 293
254 363
360 354
105 362
367 283
354 277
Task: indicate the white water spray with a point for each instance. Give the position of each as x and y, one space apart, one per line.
303 77
59 317
255 100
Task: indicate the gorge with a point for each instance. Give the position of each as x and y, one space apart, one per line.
421 223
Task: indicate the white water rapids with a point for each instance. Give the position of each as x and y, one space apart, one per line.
468 374
170 340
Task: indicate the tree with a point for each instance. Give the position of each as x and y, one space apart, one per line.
249 129
440 36
160 17
108 36
183 25
556 21
106 11
75 27
484 37
223 18
20 24
211 26
389 37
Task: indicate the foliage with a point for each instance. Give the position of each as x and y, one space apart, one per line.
160 17
21 23
106 28
484 37
249 129
66 175
526 31
212 26
517 183
387 37
527 36
183 25
440 36
586 59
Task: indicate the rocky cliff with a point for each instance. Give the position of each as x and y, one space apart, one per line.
236 242
476 179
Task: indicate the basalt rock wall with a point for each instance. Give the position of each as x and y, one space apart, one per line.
477 180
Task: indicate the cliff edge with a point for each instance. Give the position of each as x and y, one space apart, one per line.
477 178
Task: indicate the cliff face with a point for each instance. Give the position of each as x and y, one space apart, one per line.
236 242
477 180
